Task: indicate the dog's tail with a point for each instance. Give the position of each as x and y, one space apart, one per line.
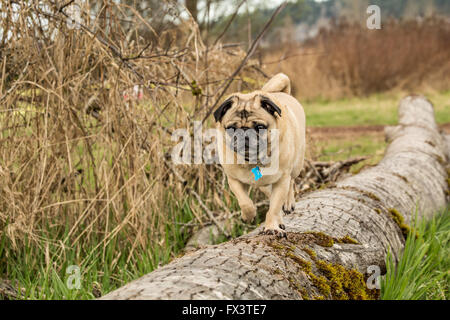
278 83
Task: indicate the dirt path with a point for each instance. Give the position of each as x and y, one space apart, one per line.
343 132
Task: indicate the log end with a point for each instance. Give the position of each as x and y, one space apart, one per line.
416 110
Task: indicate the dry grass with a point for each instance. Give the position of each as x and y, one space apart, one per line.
351 60
79 165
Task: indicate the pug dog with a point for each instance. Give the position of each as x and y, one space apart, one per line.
260 113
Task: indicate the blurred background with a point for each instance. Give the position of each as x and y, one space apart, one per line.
91 92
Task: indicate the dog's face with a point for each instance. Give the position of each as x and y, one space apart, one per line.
248 119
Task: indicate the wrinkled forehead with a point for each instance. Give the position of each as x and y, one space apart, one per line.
246 101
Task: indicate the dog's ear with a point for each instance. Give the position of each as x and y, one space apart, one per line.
270 106
224 107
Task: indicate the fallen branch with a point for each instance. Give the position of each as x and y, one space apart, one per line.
317 174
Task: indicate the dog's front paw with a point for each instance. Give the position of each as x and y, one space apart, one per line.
248 212
277 231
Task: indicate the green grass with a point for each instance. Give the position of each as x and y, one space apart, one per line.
336 149
39 271
341 149
377 109
423 271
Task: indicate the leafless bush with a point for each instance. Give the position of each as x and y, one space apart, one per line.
348 59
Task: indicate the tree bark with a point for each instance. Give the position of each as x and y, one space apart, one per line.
334 235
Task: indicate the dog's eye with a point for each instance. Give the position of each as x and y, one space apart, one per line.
259 126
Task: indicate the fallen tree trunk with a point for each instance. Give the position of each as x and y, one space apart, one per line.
334 236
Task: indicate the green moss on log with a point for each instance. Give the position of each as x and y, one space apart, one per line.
400 221
304 265
331 280
312 254
322 239
441 160
364 192
304 294
345 283
347 239
321 283
401 177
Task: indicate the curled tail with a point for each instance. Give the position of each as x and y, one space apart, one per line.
278 83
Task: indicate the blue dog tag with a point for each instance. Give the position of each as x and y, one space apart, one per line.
257 173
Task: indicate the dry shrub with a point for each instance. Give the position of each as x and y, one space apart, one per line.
349 59
79 164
